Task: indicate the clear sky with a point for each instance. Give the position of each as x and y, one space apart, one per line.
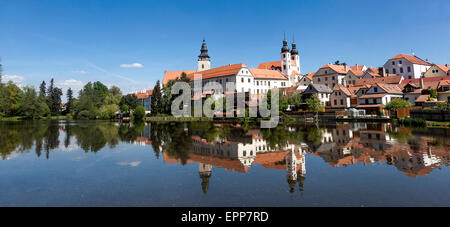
76 41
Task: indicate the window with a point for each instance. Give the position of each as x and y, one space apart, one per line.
393 62
400 62
284 67
242 80
257 83
401 70
326 78
284 55
335 102
332 78
249 80
326 72
367 101
342 102
375 89
409 69
203 66
269 83
395 71
387 71
318 79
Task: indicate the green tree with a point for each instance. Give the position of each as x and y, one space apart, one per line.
125 109
43 89
443 106
129 100
108 112
69 104
54 98
314 105
396 104
432 92
156 103
295 99
13 97
139 113
31 107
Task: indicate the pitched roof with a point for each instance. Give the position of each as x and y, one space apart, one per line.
268 65
222 71
426 79
412 59
369 96
390 88
423 98
344 89
173 75
444 68
341 69
357 67
387 80
310 75
267 74
313 88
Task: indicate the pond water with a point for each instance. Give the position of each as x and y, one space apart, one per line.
94 163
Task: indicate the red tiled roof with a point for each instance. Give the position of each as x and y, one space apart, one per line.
427 79
268 65
423 98
369 96
267 74
444 68
388 80
222 71
173 75
144 95
344 89
412 59
310 75
337 68
390 88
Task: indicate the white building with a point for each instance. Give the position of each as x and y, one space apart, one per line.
408 66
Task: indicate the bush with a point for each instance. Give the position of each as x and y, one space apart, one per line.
86 115
139 113
443 106
109 111
414 122
396 104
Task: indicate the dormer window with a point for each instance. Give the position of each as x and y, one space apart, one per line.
375 89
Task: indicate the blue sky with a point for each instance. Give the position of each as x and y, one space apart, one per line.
86 40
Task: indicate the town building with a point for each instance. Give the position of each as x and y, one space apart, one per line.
145 99
437 70
377 96
408 66
342 98
323 92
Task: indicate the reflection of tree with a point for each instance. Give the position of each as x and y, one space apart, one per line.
279 137
315 135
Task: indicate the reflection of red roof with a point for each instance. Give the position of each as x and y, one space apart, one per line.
143 139
272 160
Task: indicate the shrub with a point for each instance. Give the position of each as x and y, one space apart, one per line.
396 104
139 113
443 106
414 122
86 115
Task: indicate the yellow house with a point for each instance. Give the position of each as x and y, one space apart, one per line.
437 70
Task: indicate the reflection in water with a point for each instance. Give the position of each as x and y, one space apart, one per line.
236 148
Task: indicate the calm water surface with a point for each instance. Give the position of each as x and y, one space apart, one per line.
70 163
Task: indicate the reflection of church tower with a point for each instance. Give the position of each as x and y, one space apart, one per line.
205 171
291 169
296 171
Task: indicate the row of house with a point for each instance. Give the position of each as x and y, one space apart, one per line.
337 86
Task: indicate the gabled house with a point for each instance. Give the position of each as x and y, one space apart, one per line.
323 93
408 66
378 95
354 74
412 88
331 75
444 91
306 80
437 70
341 98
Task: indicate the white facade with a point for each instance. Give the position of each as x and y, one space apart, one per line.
405 68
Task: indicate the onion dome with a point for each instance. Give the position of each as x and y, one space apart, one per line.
294 50
285 47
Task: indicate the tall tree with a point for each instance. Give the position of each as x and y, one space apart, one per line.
314 105
156 103
43 89
69 101
54 98
31 107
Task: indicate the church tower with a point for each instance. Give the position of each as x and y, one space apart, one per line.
285 59
204 62
295 58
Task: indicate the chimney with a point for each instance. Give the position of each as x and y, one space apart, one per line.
346 68
421 83
356 67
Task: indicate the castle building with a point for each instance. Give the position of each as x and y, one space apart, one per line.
254 82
